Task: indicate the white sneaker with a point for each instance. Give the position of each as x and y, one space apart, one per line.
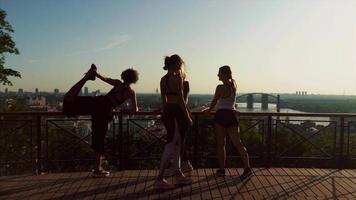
162 185
101 173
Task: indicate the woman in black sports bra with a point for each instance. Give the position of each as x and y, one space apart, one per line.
186 165
100 107
176 119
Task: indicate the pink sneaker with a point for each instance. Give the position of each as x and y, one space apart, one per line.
162 185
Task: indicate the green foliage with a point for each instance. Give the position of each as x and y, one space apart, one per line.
7 45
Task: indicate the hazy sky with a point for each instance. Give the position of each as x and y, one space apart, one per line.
272 46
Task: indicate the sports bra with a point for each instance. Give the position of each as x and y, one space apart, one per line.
185 88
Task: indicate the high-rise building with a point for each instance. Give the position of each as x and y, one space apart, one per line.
36 91
6 91
86 91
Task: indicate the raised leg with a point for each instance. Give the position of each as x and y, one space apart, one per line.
74 91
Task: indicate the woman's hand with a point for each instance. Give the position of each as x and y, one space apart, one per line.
206 110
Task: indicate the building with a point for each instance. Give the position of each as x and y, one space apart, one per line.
56 92
37 101
86 91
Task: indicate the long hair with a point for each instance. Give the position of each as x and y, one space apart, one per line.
173 62
227 71
183 73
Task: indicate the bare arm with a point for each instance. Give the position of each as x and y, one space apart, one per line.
108 80
163 95
181 100
133 98
186 89
217 95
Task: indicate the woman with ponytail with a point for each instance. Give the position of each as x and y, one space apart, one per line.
226 122
176 119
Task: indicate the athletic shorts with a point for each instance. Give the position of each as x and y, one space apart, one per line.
226 118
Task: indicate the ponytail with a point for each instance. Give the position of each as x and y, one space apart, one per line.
172 61
166 62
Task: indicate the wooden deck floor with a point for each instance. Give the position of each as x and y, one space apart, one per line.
273 183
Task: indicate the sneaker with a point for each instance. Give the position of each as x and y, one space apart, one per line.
182 180
247 172
220 173
162 185
91 74
101 173
186 166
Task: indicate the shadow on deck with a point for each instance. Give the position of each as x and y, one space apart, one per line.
272 183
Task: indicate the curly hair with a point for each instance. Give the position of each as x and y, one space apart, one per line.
129 76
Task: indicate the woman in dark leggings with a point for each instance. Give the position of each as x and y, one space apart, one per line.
186 165
176 119
100 107
226 122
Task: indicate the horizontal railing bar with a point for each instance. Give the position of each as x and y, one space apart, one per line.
198 113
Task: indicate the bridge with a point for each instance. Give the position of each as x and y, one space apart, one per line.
45 155
264 99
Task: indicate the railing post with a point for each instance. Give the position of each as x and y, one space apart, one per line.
120 148
341 154
269 141
39 145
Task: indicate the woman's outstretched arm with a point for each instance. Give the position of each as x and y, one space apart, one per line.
134 107
108 80
215 99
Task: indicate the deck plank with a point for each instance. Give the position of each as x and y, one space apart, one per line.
272 183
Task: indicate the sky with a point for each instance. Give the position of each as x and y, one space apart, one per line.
276 46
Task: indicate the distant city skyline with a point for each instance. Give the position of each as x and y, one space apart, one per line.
272 46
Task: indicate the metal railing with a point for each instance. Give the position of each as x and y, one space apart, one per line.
46 141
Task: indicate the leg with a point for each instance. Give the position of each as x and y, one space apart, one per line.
74 91
169 147
183 133
234 134
99 129
185 166
220 145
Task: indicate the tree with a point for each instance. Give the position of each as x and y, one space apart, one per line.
7 45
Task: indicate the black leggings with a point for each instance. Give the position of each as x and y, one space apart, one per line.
172 113
99 108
